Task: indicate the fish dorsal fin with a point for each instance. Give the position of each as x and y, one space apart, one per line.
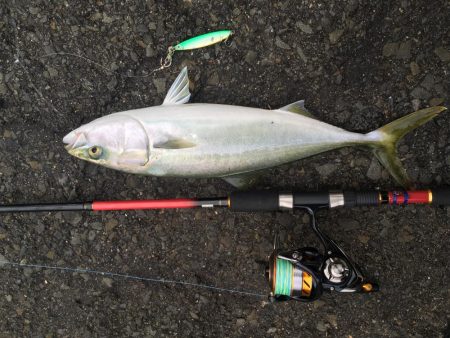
179 91
298 108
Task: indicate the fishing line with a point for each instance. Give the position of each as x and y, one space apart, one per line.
196 42
133 277
104 68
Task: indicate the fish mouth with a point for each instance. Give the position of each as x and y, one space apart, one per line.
74 140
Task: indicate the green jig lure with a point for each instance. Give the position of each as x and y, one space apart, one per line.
200 41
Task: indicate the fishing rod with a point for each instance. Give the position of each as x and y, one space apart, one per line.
302 274
258 200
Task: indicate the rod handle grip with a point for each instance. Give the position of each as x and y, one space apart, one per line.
441 196
262 200
361 198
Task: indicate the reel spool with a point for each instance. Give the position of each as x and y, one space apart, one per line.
304 274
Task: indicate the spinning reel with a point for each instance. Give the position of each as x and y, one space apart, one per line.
303 274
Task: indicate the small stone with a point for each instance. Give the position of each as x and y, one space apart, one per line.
415 69
374 171
326 169
28 272
107 19
52 72
416 104
321 326
240 322
8 298
76 239
112 83
404 235
96 16
213 80
404 50
34 10
420 93
3 260
194 315
141 28
443 54
160 84
40 228
364 239
428 82
332 319
3 89
111 224
390 49
250 57
272 330
302 55
436 101
35 165
304 27
9 134
107 281
149 51
91 235
335 35
348 224
96 226
281 44
73 217
50 255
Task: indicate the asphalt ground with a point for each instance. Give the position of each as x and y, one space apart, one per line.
357 64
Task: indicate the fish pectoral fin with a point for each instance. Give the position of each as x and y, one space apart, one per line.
179 91
175 143
297 108
244 180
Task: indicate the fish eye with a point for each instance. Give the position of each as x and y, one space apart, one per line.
95 152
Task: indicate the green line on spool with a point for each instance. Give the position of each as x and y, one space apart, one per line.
283 278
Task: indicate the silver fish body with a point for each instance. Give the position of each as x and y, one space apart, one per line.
213 140
228 140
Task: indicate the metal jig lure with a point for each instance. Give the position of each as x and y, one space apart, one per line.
200 41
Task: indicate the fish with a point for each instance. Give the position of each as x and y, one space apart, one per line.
181 139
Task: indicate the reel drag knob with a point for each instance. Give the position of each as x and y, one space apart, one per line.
336 270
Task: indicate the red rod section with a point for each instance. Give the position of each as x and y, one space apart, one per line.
181 203
410 197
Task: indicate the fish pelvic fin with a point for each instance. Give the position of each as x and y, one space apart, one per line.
387 137
244 180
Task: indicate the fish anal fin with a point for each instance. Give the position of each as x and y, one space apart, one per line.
244 180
